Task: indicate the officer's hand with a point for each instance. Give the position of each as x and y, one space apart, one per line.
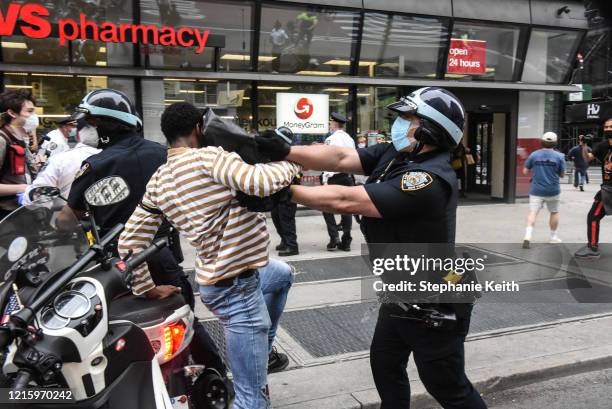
272 145
162 291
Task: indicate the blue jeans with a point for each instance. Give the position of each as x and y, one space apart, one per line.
249 311
580 176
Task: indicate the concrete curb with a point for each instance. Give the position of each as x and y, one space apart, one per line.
484 380
505 362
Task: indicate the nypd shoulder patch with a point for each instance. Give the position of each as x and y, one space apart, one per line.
412 181
82 171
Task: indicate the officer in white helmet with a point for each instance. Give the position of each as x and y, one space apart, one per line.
409 202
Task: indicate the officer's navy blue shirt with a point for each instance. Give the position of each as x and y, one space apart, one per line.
133 158
412 203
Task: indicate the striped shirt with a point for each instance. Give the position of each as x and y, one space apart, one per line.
195 191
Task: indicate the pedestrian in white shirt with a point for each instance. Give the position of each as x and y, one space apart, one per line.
338 137
60 169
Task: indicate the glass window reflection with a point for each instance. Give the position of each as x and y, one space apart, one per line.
307 40
549 56
58 94
500 45
401 46
230 25
230 100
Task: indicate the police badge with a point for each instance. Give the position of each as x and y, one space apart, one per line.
412 181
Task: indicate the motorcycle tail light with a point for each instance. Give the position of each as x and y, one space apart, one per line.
173 338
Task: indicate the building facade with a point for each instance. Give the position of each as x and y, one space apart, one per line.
510 62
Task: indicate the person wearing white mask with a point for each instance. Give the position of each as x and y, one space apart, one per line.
18 119
60 169
56 141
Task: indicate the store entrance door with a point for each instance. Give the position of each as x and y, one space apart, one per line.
479 142
486 140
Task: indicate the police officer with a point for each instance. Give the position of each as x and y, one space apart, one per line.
60 169
125 153
409 197
340 138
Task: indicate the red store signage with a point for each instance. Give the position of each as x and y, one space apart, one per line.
467 57
36 16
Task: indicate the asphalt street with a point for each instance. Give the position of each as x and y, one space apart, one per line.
591 390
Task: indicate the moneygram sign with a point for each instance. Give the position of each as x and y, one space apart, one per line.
303 113
467 57
38 25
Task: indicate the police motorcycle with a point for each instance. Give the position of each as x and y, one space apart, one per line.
70 321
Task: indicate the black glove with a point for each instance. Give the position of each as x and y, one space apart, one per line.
254 203
272 145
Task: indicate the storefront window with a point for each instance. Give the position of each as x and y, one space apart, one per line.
374 119
267 109
549 57
482 52
24 50
20 49
230 30
58 94
229 99
306 40
401 46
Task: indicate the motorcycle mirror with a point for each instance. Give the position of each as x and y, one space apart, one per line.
107 191
43 193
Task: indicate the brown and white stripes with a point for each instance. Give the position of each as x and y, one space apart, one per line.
195 191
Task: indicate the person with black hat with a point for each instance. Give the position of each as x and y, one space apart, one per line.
409 197
338 138
56 141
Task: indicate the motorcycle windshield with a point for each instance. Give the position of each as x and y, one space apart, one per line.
34 246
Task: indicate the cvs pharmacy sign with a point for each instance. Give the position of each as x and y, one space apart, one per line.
303 113
467 57
36 17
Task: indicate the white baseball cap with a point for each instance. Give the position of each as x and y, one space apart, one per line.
549 137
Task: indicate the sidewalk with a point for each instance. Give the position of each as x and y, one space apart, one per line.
327 326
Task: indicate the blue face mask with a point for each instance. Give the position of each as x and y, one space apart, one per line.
399 133
72 133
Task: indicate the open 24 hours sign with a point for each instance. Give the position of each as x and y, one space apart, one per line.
467 57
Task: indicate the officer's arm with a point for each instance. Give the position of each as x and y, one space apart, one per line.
228 169
335 199
327 157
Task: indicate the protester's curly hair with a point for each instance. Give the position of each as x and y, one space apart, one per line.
179 120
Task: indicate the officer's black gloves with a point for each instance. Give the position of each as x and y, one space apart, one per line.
273 143
263 204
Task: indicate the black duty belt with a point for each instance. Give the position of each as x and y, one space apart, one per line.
228 282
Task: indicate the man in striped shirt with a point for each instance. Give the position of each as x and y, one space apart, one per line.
195 191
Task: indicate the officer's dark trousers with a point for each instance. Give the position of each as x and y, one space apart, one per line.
346 219
597 212
439 357
283 217
166 271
